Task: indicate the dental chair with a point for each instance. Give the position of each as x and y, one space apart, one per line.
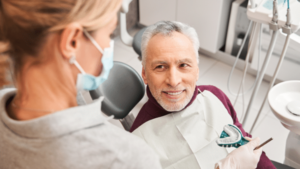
123 89
137 42
281 166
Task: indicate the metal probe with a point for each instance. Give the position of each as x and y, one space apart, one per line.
263 144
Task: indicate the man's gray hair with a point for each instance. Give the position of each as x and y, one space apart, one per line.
166 28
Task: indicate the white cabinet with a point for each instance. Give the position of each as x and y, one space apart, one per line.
152 11
208 17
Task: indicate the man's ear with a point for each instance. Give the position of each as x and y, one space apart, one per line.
144 75
70 40
197 78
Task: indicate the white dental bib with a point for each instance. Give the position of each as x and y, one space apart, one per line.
187 139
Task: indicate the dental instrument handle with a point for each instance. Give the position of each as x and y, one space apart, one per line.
275 12
262 73
273 26
286 29
288 18
251 47
264 143
287 41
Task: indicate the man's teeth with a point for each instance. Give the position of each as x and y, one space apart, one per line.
174 93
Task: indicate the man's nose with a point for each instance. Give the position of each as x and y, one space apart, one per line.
174 77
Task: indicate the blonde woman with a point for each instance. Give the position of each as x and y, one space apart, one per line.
55 49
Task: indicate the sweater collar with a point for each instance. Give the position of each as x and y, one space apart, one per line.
155 109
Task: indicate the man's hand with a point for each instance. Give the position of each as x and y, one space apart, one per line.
243 157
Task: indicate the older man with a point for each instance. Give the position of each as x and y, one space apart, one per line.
181 121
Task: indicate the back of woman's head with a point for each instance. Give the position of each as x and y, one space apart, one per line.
25 24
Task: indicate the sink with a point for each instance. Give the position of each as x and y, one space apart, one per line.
281 97
284 100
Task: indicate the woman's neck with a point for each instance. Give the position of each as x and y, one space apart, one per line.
43 89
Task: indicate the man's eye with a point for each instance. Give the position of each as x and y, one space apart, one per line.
183 65
159 67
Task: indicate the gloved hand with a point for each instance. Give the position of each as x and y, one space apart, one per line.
243 157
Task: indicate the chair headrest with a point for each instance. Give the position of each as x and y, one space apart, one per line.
123 89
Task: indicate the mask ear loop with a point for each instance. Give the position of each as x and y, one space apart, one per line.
73 61
93 41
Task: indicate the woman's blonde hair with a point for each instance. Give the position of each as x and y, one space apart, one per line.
24 25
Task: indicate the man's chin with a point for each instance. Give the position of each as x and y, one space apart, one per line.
173 106
174 103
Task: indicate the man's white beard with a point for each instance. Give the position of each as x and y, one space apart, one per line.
173 107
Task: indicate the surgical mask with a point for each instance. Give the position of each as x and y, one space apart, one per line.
89 82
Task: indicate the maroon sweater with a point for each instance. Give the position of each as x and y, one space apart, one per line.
153 110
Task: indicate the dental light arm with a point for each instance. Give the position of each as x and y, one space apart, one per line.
125 37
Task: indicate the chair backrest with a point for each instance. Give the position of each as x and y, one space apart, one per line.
137 41
123 89
281 166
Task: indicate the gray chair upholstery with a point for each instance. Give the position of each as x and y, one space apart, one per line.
137 41
123 89
281 166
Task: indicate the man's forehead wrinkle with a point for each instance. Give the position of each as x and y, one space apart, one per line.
155 52
159 62
184 60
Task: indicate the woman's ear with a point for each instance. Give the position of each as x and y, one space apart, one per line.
70 40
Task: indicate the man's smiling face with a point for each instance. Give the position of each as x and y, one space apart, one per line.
171 70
